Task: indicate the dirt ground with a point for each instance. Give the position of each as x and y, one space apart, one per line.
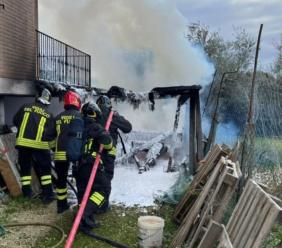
26 236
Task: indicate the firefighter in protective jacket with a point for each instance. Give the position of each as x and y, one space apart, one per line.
118 123
72 104
95 135
36 130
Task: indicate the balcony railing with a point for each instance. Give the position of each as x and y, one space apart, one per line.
59 62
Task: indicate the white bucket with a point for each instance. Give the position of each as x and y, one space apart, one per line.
150 231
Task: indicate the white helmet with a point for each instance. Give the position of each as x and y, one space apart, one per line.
45 97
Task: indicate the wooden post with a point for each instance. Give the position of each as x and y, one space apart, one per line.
200 152
177 114
192 136
248 142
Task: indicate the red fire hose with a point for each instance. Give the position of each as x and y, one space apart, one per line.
87 191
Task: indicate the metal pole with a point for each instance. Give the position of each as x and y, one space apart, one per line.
214 123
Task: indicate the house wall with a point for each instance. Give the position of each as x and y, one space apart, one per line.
19 21
13 103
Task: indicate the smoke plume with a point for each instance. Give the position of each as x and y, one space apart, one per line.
136 44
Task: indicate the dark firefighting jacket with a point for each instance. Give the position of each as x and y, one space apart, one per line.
36 126
95 135
62 123
118 123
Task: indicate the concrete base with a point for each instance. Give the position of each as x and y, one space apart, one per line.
17 87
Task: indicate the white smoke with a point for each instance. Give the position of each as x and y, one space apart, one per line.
136 44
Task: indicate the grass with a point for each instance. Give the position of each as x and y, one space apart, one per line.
274 239
268 152
119 224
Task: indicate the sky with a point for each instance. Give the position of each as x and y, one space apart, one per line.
223 15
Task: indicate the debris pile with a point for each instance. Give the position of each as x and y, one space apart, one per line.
201 210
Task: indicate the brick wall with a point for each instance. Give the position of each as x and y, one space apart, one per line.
18 24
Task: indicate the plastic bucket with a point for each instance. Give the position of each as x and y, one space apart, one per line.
150 233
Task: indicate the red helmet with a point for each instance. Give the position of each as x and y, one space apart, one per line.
72 98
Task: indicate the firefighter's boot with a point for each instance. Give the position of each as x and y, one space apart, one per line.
62 203
26 186
47 195
27 192
62 206
47 189
88 220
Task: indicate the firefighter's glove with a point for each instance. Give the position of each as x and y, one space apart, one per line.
101 168
95 130
87 159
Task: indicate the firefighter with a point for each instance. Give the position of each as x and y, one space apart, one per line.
118 123
95 135
36 129
72 104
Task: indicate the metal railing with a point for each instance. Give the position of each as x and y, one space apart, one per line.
59 62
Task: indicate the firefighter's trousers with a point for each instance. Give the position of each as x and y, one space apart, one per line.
99 191
41 160
109 164
61 168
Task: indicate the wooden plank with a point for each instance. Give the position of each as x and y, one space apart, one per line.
230 179
216 152
224 196
252 223
199 133
242 215
192 136
238 208
209 205
225 240
182 207
253 217
267 224
189 219
208 164
236 151
211 236
8 167
226 192
10 179
276 199
258 224
245 220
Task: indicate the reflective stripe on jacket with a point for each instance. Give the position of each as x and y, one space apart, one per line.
35 126
62 122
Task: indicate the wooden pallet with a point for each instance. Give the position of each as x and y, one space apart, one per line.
252 219
8 167
210 203
215 236
205 168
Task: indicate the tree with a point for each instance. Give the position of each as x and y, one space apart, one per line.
227 56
